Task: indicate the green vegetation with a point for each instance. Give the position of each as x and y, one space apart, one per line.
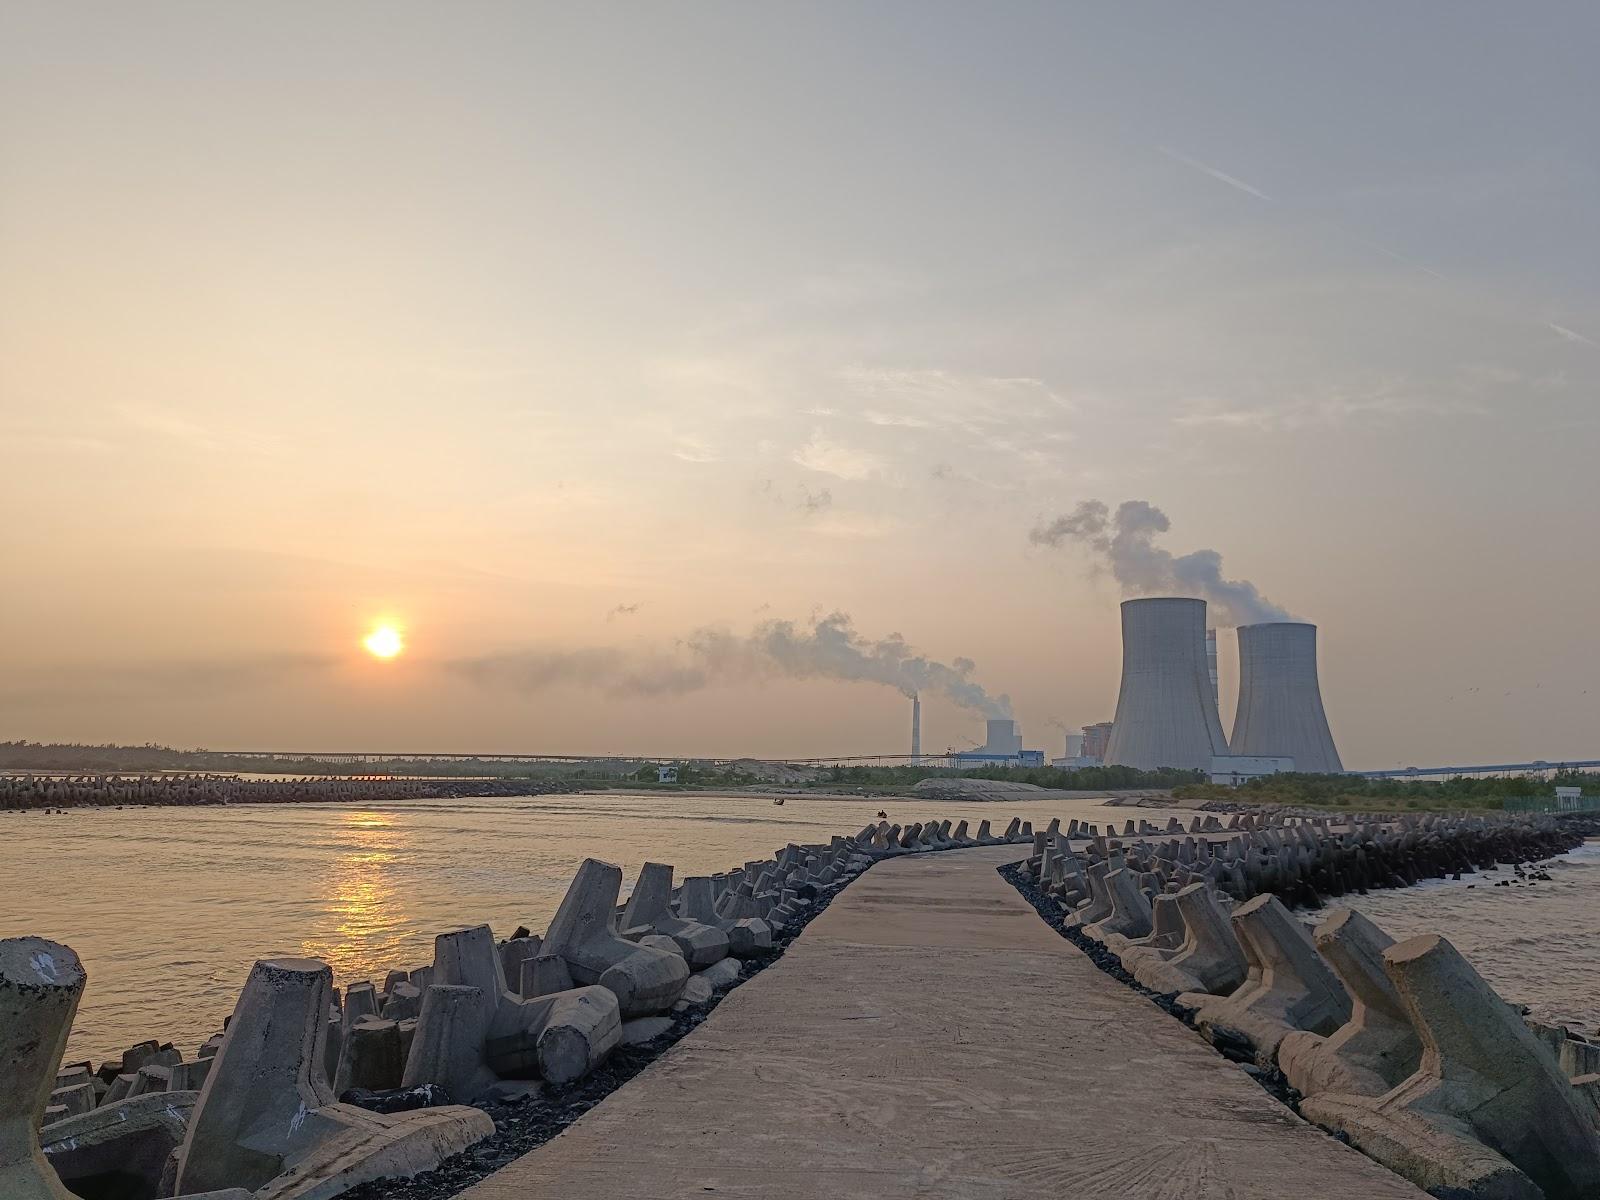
1093 779
1390 795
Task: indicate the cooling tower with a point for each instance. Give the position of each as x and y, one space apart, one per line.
1280 702
1166 713
1003 737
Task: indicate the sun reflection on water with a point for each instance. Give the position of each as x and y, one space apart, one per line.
361 922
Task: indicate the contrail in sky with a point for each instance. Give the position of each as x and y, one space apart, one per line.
1221 176
1234 181
1572 335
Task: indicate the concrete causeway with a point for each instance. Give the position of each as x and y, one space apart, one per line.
929 1036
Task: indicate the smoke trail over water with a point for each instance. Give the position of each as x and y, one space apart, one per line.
826 648
1125 541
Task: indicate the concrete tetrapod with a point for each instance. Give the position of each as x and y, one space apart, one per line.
649 910
1288 986
1377 1048
1163 941
40 985
1130 910
645 980
1489 1112
560 1036
1210 959
267 1120
747 937
121 1148
1098 906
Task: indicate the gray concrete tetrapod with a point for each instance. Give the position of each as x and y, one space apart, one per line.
645 980
1164 939
1098 906
649 908
1288 985
561 1036
1489 1110
266 1119
370 1057
1130 910
40 985
130 1141
1210 960
1376 1048
747 936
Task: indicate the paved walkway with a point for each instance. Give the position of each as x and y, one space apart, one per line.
930 1036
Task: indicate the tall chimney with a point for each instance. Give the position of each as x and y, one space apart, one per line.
916 729
1280 700
1166 714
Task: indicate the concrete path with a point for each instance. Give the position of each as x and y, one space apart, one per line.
930 1036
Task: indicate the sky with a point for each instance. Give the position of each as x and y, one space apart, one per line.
598 346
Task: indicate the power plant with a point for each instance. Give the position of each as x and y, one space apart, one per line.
1167 706
1280 711
1166 710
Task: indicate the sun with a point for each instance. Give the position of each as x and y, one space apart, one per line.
384 642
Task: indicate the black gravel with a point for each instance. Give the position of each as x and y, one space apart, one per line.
529 1122
1270 1078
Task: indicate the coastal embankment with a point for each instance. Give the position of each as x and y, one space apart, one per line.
49 792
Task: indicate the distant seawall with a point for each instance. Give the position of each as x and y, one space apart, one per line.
48 792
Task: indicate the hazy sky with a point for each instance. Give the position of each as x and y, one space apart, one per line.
570 336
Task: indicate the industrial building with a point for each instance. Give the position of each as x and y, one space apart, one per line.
1001 748
1234 769
1166 709
1280 711
1095 740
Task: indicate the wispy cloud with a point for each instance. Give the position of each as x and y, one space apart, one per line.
1337 408
693 449
1216 173
172 426
839 459
622 610
855 526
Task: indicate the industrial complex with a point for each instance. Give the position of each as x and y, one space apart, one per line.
1167 710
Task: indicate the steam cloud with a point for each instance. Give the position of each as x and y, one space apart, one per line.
1126 543
827 648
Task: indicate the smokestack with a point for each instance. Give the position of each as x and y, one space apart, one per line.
1166 713
916 728
1280 700
1211 665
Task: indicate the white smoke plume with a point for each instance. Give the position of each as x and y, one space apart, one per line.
826 648
1126 543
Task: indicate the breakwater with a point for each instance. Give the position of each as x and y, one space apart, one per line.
441 1059
306 1093
49 792
1402 1049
